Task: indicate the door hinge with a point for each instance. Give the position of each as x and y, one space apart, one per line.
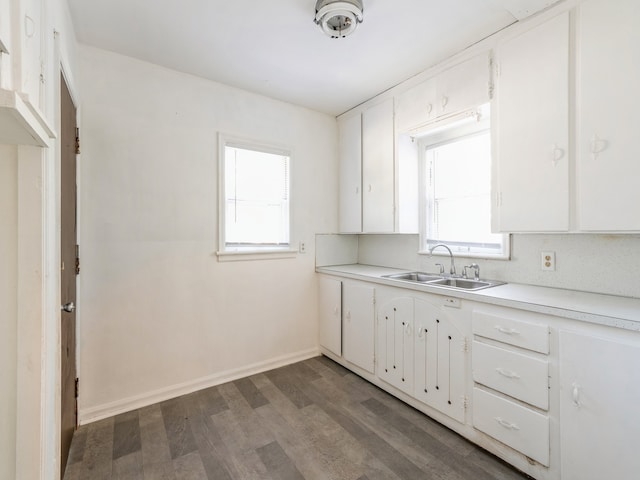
77 259
77 388
77 141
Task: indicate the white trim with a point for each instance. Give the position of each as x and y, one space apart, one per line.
110 409
240 256
247 253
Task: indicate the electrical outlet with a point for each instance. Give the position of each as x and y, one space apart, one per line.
548 261
302 248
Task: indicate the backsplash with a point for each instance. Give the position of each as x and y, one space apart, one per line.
608 264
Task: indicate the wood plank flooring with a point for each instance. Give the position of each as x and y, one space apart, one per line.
310 420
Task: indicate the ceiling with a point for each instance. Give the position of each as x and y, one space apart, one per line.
272 47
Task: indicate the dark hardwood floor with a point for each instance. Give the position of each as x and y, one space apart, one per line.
309 420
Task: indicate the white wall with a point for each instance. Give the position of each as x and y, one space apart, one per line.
159 315
9 302
594 263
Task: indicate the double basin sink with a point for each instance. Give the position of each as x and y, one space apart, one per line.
458 283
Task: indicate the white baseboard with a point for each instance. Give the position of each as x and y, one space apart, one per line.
99 412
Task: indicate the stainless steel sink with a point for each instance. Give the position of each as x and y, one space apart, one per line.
414 277
464 283
433 280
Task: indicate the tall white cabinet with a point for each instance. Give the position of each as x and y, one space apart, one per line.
531 135
599 401
378 168
608 69
367 181
350 155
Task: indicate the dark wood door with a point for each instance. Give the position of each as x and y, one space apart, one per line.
69 269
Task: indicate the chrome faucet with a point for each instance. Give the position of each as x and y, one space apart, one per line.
452 270
476 271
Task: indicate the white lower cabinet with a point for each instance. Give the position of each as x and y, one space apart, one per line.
599 401
520 427
330 313
510 357
423 352
556 398
347 321
358 329
440 360
395 343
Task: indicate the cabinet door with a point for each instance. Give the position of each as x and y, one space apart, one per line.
378 168
416 106
464 86
599 399
395 343
532 135
350 158
608 169
358 325
330 301
440 352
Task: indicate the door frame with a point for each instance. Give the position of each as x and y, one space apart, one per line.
63 76
38 289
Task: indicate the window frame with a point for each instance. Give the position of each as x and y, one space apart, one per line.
464 125
251 251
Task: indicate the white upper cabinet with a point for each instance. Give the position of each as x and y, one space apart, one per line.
531 138
459 88
32 51
416 105
23 47
608 69
350 157
378 168
463 86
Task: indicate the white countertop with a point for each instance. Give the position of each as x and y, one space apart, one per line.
610 310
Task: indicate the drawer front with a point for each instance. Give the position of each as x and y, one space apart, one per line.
520 376
507 327
514 425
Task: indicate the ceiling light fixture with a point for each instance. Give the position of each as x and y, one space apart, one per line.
338 18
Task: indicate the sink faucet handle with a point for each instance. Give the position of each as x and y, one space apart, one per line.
476 271
441 268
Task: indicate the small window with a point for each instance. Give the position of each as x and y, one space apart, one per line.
456 190
255 200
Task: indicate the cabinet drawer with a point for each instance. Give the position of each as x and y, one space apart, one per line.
520 376
514 425
509 326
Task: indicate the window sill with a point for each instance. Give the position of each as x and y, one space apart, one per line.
243 256
478 255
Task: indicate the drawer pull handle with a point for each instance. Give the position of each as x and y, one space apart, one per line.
507 331
507 373
507 425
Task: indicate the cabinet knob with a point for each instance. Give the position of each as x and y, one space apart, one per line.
575 394
445 100
557 154
597 146
429 108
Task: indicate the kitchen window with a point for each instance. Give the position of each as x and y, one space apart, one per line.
254 198
456 188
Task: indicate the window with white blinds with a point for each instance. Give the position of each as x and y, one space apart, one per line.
457 191
256 198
